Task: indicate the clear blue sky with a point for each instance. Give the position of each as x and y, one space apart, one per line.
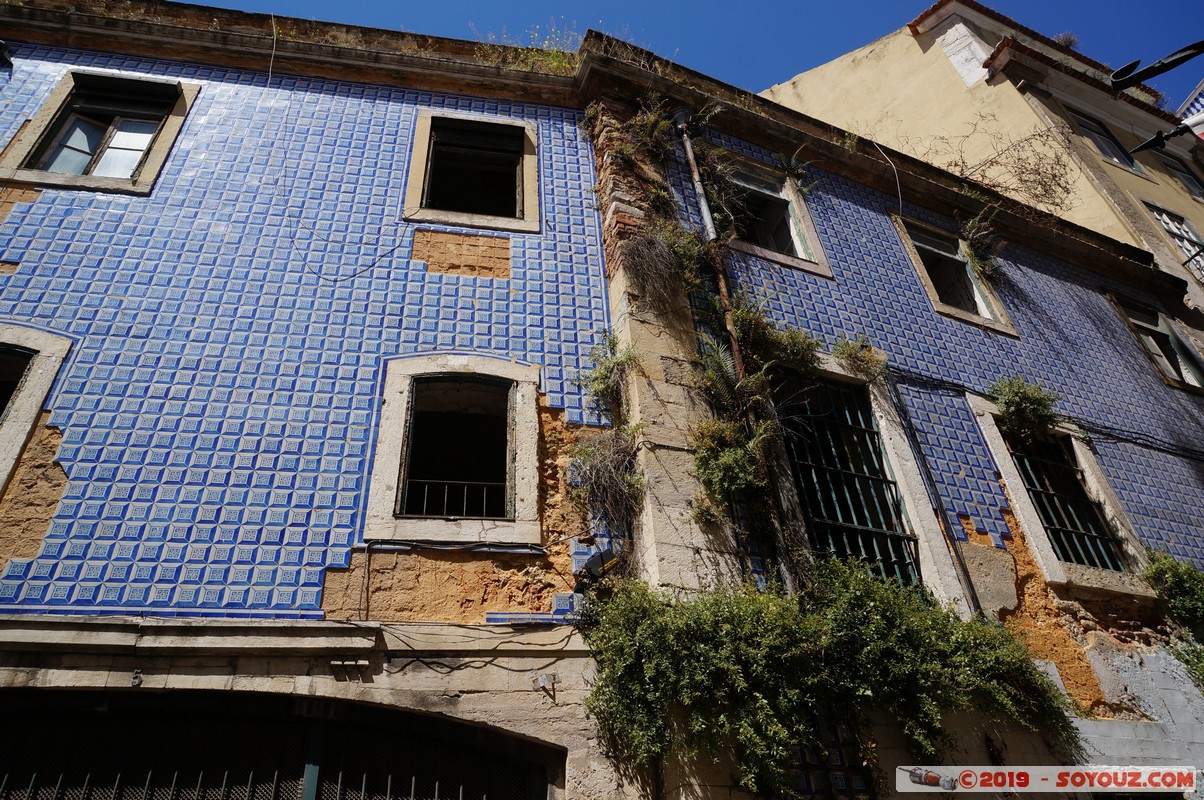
755 45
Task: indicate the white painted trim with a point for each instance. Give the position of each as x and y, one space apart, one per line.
18 420
381 523
1059 572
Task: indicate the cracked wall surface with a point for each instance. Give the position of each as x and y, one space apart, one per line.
462 587
28 502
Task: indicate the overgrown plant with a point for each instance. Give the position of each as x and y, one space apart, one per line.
740 671
664 259
1035 168
1181 587
609 475
1025 409
860 357
727 458
982 245
551 50
612 364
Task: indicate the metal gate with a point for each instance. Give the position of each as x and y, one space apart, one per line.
200 746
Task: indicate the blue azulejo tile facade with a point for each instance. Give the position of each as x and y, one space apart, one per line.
1070 337
220 400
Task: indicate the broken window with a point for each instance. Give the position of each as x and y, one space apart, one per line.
475 168
473 172
850 500
13 364
764 216
459 453
951 279
1172 356
1073 521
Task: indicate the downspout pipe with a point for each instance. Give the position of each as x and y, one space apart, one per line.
681 118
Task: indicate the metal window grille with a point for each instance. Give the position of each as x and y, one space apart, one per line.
1073 521
851 503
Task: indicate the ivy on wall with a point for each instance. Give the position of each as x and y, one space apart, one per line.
741 671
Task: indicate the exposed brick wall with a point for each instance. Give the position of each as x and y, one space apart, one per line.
462 587
463 253
29 500
11 195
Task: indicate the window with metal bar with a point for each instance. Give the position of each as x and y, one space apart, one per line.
850 500
459 454
1073 521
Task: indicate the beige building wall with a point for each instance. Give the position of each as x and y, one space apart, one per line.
927 94
904 91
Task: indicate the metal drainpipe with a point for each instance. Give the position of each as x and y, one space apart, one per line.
682 118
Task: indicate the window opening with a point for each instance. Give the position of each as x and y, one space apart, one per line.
948 271
1170 354
1184 236
13 364
850 500
1074 522
475 168
1103 140
764 216
459 453
106 127
1182 173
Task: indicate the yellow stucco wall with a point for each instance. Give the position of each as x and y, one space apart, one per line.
902 91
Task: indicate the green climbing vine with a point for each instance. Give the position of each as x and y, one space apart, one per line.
741 671
1181 587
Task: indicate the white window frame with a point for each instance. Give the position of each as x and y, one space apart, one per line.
992 313
420 155
1056 571
21 415
382 523
1181 232
809 255
48 123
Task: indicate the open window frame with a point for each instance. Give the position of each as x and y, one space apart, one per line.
386 520
990 310
45 353
1169 351
28 148
418 184
769 188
